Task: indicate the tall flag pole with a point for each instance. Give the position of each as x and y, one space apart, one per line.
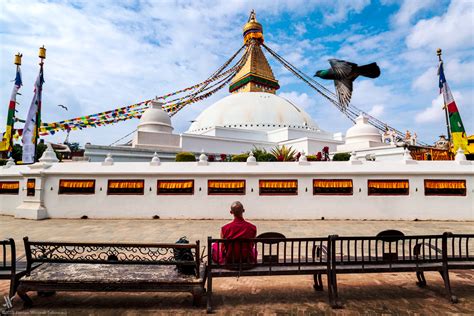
456 132
7 140
33 119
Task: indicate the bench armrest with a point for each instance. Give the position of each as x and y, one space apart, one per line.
320 251
417 248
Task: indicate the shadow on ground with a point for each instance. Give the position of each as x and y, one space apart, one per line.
287 295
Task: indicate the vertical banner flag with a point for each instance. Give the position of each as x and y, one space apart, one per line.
7 139
458 134
32 120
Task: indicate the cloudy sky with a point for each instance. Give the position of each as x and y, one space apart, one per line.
110 53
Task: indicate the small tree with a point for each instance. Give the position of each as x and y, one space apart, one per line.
261 154
341 157
185 156
240 157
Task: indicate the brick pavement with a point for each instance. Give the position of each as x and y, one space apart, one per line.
286 295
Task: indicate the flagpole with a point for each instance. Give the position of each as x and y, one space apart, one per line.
42 56
17 62
448 128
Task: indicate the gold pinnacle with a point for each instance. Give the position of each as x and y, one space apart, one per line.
42 52
17 60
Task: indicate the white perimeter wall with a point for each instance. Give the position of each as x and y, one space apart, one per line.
305 205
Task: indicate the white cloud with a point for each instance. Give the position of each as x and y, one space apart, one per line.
409 9
433 113
426 81
377 110
340 11
456 72
300 99
300 28
367 95
453 30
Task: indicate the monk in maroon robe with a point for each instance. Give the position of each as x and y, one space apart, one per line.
239 228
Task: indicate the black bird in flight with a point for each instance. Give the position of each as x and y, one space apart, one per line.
63 106
344 73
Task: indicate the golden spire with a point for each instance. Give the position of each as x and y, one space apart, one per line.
256 75
252 29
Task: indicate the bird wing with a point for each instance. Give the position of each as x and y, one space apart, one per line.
342 68
344 91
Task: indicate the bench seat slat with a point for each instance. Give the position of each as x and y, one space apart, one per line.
265 270
393 267
109 273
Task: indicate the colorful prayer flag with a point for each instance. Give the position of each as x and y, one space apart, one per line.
7 139
458 133
32 120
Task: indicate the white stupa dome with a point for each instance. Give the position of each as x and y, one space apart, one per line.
255 111
362 131
154 119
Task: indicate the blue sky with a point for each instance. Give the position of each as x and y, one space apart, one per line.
107 54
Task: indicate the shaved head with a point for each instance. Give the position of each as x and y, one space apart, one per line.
237 209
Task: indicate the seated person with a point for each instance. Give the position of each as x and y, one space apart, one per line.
239 228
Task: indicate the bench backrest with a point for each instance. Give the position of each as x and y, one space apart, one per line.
373 250
109 253
460 247
8 255
269 252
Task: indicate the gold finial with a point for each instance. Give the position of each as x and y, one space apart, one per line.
252 16
439 52
18 59
253 29
42 53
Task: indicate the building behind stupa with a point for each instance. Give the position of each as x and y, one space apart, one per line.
253 115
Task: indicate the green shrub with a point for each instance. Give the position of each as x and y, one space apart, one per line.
266 157
17 152
341 157
40 149
312 158
185 156
240 157
3 162
262 155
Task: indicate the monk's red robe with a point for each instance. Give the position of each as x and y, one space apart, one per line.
235 252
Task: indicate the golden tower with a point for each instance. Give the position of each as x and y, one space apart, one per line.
256 75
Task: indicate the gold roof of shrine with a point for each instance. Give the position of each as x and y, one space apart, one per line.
256 75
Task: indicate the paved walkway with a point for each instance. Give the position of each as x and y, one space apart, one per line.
286 295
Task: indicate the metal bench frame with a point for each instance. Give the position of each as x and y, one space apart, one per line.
276 256
12 269
388 254
159 254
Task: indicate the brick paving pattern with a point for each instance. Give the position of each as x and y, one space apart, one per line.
282 295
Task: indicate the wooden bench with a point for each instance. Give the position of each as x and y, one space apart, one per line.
460 251
106 267
11 266
388 252
275 256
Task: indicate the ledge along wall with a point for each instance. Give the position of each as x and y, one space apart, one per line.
412 204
